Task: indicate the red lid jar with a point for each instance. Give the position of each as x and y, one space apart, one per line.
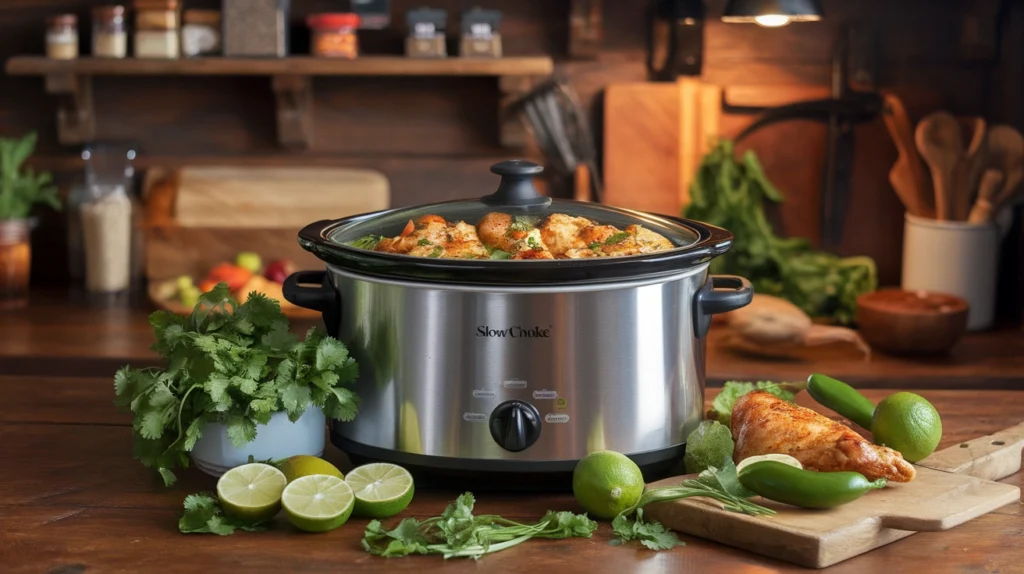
334 34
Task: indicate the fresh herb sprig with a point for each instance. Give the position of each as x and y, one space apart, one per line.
368 242
204 515
458 533
231 364
719 484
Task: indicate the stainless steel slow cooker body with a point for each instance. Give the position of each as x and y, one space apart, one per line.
468 366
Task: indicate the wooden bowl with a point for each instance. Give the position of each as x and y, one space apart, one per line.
911 322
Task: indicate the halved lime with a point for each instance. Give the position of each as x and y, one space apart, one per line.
783 458
318 502
251 491
382 490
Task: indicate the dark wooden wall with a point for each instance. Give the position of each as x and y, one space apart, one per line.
435 138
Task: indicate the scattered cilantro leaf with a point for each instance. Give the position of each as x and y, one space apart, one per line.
460 533
651 534
423 242
204 515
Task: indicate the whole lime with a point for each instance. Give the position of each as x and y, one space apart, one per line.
607 482
908 423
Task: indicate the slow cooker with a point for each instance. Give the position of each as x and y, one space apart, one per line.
509 368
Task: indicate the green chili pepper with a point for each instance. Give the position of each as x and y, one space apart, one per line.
805 488
842 398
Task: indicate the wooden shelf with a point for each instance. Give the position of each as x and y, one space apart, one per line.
71 82
300 66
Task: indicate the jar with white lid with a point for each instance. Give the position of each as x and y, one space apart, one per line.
62 37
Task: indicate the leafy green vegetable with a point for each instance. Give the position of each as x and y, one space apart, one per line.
20 189
437 252
423 242
719 484
368 242
204 515
651 534
731 194
458 533
231 364
721 407
709 445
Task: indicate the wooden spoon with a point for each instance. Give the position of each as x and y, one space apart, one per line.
974 164
991 183
942 146
908 176
1006 148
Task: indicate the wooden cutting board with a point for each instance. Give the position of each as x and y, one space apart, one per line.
654 136
952 486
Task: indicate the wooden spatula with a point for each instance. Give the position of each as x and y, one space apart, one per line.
908 176
974 163
942 146
1006 147
991 183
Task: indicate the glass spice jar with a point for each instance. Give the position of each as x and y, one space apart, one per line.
200 33
109 35
15 262
334 35
62 37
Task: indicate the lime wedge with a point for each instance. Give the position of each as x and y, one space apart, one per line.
251 491
382 490
783 458
318 502
304 465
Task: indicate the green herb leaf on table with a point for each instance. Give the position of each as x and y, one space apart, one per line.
457 532
718 484
651 534
204 515
233 364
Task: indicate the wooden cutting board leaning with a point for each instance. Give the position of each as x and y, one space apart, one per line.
952 486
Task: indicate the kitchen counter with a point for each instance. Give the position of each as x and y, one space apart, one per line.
58 336
73 500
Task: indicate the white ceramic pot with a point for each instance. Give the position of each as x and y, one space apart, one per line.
280 438
957 258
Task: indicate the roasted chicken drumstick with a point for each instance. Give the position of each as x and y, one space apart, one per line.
763 424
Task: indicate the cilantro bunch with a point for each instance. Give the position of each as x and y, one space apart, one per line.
234 364
458 533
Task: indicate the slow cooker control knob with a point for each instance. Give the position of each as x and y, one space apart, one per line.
515 425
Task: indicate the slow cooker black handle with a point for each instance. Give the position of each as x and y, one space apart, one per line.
323 298
720 294
516 188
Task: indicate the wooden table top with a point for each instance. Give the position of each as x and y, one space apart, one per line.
58 336
73 500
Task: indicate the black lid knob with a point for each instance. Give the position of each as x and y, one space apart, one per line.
516 187
515 425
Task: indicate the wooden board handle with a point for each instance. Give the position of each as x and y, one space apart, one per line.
990 457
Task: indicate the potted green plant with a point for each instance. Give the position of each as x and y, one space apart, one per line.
20 189
237 384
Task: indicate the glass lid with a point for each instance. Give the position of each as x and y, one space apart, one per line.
514 235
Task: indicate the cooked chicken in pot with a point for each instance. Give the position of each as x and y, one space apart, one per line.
502 236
